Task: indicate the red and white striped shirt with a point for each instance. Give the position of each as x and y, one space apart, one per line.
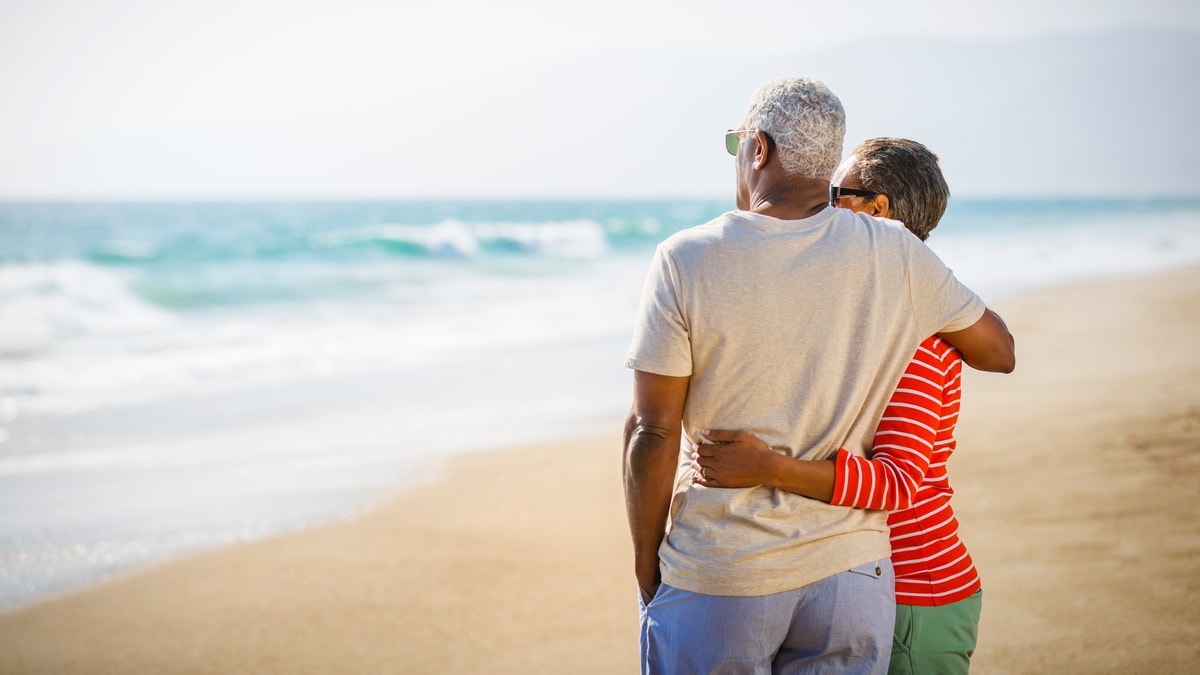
907 476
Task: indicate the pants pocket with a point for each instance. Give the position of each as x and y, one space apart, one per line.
902 637
875 570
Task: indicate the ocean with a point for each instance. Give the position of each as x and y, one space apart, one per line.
179 376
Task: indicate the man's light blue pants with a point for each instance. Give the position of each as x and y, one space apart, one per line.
841 624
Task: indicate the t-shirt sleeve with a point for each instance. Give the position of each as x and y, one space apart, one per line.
940 301
660 335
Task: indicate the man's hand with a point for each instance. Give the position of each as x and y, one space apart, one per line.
648 593
733 459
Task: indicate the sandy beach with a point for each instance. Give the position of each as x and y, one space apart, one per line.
1078 487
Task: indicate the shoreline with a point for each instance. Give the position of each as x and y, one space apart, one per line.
1076 486
100 494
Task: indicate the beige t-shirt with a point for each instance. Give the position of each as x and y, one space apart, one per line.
798 332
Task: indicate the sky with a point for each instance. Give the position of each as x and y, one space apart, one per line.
469 98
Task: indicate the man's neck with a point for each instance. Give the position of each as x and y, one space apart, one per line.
792 200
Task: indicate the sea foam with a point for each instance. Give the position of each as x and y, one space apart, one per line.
44 303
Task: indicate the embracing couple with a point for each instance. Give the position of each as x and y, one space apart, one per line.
796 376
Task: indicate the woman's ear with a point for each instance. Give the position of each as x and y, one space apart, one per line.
881 207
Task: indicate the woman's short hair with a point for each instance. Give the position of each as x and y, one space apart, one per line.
805 121
908 173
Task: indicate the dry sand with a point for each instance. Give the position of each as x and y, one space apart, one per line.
1078 484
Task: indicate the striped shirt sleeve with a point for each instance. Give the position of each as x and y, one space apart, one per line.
903 443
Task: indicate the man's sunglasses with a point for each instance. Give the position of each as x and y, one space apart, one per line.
733 139
836 193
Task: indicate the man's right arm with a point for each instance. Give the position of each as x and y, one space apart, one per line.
651 457
986 344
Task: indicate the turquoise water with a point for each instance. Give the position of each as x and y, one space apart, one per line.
111 304
175 376
181 257
224 291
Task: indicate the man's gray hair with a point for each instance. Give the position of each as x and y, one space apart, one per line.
806 122
908 173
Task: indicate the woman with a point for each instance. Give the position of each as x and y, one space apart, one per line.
938 592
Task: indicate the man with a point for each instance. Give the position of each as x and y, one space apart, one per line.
793 321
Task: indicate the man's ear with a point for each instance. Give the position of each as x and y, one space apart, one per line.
762 149
881 206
